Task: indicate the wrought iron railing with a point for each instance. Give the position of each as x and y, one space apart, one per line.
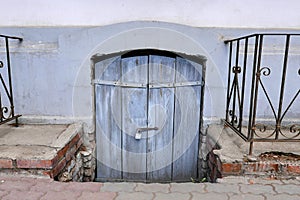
7 108
263 88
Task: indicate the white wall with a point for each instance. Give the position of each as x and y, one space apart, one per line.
199 13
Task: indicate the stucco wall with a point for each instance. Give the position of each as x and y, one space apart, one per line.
198 13
52 67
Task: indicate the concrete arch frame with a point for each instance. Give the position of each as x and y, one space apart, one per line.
142 36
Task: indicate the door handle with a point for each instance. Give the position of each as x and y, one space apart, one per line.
138 133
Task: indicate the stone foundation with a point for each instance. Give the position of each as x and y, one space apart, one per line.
82 164
60 152
228 156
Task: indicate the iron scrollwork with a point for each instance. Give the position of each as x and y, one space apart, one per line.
266 71
234 117
7 111
259 89
295 128
236 69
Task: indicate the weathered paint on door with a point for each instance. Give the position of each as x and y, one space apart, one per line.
144 92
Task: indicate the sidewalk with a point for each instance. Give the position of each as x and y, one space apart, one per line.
228 188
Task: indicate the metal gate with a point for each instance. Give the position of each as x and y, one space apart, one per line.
147 117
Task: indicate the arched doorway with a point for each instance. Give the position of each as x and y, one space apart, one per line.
148 116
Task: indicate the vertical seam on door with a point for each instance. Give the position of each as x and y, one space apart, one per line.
174 112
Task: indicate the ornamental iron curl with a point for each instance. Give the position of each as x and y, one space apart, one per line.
234 117
7 111
295 128
266 71
246 82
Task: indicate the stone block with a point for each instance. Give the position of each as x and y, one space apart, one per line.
231 168
293 169
58 168
44 164
6 163
74 141
71 153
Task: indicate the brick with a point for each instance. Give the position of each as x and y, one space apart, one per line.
3 193
134 196
118 187
173 196
257 189
24 195
79 143
58 168
33 164
214 196
70 153
222 188
187 187
153 187
61 153
246 196
231 168
74 141
282 196
16 185
6 164
233 180
49 186
97 195
62 195
294 169
288 189
263 167
87 186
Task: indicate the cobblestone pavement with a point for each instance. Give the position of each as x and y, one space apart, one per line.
228 188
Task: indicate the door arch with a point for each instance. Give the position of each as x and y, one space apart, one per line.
148 116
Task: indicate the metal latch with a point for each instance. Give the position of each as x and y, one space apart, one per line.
138 133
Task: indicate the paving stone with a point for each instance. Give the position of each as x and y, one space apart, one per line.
38 179
118 187
24 195
187 187
291 181
257 189
212 196
234 179
62 195
52 186
16 185
84 186
246 197
10 178
3 193
153 187
173 196
282 196
97 195
288 189
264 181
222 188
134 196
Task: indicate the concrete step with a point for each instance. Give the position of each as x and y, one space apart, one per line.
38 150
228 155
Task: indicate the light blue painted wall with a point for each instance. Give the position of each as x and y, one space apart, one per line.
52 66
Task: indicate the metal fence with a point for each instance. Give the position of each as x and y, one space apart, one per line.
7 108
263 85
